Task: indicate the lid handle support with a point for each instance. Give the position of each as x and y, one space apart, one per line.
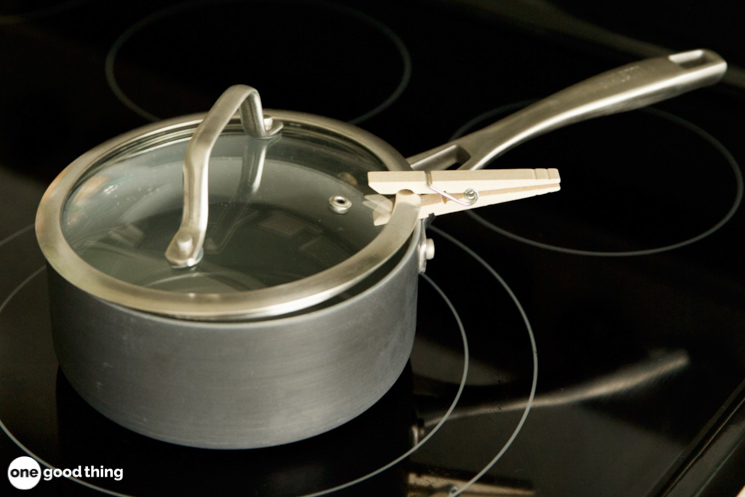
185 249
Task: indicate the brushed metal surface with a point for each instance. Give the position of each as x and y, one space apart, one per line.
622 89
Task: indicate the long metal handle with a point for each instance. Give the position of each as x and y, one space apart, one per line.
625 88
185 249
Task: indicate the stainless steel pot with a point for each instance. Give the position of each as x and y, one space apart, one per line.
258 304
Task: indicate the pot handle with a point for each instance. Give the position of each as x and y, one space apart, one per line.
625 88
185 249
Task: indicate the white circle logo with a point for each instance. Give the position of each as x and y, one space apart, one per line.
24 473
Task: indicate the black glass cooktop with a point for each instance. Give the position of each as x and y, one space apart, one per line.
587 342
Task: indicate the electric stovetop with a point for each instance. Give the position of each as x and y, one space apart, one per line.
588 342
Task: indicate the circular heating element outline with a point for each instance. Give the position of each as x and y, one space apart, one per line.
170 12
431 433
718 146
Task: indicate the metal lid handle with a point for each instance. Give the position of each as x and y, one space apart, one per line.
185 249
625 88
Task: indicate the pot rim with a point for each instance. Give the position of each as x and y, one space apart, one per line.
291 319
265 302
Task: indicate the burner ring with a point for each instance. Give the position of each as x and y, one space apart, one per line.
347 11
380 470
14 293
534 353
708 138
405 455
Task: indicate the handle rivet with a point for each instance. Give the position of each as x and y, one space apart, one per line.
185 242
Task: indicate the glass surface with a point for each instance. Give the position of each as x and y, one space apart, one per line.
638 356
270 219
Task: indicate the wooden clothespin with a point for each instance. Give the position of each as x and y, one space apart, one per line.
443 192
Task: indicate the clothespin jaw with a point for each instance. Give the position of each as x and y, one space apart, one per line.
444 192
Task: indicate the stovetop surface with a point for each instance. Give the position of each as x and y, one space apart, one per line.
629 283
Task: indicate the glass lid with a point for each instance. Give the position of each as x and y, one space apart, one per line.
280 210
263 226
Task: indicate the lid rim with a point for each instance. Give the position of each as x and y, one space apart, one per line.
266 302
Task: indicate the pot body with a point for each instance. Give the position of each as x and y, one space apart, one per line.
245 384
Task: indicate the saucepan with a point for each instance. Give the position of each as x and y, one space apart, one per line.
233 280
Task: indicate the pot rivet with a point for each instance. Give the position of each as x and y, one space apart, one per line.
429 249
339 204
